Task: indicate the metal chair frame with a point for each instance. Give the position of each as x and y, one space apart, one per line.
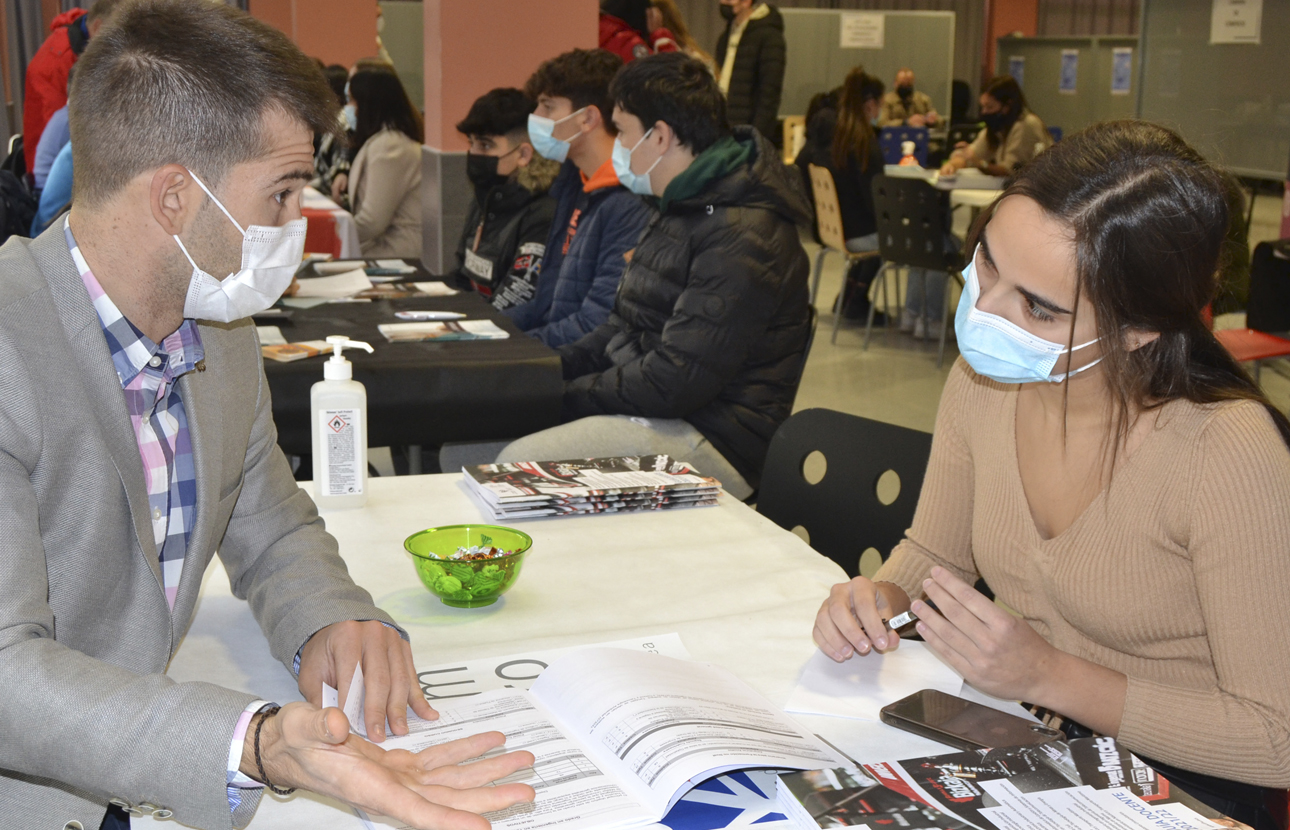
912 218
828 217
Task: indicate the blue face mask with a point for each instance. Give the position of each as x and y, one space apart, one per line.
637 183
351 117
544 142
1001 350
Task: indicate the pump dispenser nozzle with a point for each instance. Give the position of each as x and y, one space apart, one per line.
337 367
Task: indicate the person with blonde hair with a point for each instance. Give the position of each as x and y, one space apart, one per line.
663 15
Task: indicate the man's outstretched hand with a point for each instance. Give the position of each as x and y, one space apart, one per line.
312 749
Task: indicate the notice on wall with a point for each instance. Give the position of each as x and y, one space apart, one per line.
1017 69
863 30
1070 72
1121 70
1236 21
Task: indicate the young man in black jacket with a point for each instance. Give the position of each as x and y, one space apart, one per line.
504 240
704 350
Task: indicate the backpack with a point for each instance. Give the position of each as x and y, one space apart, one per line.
17 207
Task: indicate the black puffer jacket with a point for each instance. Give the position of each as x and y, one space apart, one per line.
504 239
757 79
711 320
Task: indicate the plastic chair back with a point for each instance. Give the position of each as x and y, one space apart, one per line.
890 139
912 218
828 216
794 136
842 512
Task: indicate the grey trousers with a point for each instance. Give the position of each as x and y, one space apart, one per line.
601 436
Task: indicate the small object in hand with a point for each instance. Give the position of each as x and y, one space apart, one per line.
902 620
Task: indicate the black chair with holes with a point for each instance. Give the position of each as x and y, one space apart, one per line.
842 512
913 220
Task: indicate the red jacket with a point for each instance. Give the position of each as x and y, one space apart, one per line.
619 37
46 89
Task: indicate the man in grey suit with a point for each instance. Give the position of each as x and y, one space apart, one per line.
136 438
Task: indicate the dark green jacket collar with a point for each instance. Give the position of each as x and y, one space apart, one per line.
716 162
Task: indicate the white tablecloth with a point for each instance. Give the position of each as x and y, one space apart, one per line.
346 230
740 591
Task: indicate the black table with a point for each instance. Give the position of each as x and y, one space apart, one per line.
421 394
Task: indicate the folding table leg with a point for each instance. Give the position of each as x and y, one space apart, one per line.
868 326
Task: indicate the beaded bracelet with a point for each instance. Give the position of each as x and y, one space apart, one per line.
265 714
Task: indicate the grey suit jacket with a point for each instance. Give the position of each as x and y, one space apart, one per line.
86 713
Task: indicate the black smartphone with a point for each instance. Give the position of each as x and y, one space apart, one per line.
963 724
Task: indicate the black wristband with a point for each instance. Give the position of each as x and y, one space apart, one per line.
265 714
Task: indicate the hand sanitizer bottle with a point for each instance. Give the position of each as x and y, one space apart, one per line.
338 406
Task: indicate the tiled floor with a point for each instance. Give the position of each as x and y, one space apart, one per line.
897 381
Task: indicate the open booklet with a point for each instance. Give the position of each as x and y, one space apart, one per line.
618 736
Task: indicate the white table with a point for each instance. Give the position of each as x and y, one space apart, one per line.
740 591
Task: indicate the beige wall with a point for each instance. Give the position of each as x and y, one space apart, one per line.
336 31
472 46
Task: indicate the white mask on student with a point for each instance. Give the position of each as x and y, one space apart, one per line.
270 257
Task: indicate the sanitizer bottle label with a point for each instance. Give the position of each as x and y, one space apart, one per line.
341 431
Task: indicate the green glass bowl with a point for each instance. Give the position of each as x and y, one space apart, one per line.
467 584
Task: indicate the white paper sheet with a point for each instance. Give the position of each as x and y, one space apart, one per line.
435 289
338 266
572 791
341 285
861 686
395 265
270 336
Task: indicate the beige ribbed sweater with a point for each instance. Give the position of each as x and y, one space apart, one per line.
1177 575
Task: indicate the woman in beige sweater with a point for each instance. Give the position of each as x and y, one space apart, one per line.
1111 472
385 179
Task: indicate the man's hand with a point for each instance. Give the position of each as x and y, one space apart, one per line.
932 118
339 185
916 121
389 675
312 749
853 619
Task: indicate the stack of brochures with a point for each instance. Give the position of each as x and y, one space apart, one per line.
447 330
1084 784
534 489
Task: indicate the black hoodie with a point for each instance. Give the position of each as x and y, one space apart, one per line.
711 320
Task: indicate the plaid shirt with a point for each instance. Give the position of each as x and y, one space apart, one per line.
148 373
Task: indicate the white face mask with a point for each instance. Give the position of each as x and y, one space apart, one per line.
270 257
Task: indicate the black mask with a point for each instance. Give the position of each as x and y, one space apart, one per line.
905 91
482 171
727 12
995 121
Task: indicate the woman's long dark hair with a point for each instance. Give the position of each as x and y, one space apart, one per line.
853 134
1007 92
1149 217
382 102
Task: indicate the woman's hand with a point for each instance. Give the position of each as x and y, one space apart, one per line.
338 187
854 618
994 651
